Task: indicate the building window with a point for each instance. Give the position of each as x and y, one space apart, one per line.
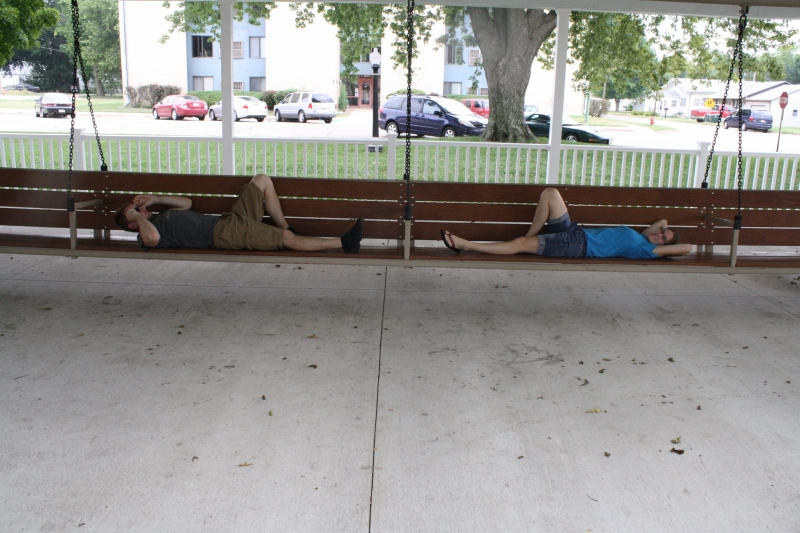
484 91
451 87
472 90
202 83
238 86
258 85
674 103
683 102
696 102
474 57
202 46
237 50
258 47
794 112
450 54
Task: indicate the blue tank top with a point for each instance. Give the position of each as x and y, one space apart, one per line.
619 241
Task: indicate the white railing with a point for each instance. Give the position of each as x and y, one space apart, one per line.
431 160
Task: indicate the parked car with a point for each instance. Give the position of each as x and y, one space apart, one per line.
24 87
179 107
54 104
306 105
479 106
700 114
243 107
430 115
751 120
530 109
540 126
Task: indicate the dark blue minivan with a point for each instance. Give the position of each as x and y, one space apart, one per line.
751 120
430 115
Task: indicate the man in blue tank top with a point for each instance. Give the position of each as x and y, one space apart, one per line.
241 229
564 238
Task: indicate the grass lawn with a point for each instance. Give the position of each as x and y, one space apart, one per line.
99 103
598 122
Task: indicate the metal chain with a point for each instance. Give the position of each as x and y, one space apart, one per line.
737 221
77 62
409 55
736 52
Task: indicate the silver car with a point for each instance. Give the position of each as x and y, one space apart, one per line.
243 107
305 105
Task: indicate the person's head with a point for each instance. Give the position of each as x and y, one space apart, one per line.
121 217
663 237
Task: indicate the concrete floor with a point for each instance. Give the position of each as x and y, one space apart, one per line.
181 397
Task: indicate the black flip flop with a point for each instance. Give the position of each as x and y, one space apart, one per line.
449 246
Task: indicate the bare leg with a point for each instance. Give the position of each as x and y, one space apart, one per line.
551 205
272 204
309 244
520 245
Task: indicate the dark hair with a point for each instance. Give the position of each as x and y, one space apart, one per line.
675 239
122 220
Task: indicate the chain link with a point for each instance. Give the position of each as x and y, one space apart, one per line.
409 55
739 46
77 63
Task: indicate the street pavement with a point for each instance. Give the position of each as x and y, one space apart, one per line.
357 124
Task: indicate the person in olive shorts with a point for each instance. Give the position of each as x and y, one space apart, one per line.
241 229
564 238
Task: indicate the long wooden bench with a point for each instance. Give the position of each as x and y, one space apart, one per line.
488 212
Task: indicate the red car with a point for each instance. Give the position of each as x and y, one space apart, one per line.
479 106
179 107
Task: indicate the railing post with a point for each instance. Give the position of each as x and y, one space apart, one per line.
391 156
700 165
78 151
562 43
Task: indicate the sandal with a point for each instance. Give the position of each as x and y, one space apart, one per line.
446 235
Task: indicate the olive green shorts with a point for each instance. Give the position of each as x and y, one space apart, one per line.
242 229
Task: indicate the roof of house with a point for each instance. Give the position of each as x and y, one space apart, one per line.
750 89
776 92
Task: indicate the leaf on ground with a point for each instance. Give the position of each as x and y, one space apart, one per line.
47 308
263 397
671 359
699 408
195 458
245 464
676 440
312 366
606 359
181 326
79 335
270 413
312 336
607 454
601 370
679 452
595 410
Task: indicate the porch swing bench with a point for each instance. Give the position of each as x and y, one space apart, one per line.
33 199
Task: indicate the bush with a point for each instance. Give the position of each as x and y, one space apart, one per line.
212 97
597 108
277 96
405 91
149 95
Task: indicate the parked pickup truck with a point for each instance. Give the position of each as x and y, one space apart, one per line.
700 114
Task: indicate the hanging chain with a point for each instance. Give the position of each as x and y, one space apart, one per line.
77 63
737 51
737 221
409 55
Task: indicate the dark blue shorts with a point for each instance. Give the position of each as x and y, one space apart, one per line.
563 238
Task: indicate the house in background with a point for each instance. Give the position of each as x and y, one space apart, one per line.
682 95
277 56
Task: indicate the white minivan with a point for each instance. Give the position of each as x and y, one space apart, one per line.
305 105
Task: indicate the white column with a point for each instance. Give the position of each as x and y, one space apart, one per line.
562 35
702 161
226 53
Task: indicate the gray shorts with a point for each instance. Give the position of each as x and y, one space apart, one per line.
563 238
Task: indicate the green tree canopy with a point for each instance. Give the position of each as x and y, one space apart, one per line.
21 23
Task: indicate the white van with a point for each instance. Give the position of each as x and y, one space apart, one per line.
305 105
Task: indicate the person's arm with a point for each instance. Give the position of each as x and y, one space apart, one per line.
672 249
654 227
179 203
148 232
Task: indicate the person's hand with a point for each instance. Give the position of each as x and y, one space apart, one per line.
144 200
131 214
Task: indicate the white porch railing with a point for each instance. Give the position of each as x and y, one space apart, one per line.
432 160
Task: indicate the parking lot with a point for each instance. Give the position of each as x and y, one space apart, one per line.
357 123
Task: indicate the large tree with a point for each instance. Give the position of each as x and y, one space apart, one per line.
49 64
99 20
21 22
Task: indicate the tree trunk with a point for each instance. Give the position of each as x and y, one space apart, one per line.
98 84
617 101
509 40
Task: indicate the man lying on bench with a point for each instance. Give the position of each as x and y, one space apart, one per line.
565 238
242 229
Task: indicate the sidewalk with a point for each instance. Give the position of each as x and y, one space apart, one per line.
197 397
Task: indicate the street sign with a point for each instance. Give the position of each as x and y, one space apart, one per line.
784 101
709 103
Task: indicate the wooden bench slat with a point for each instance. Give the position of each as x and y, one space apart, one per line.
40 199
52 218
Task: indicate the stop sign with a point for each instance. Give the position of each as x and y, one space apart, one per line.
784 99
